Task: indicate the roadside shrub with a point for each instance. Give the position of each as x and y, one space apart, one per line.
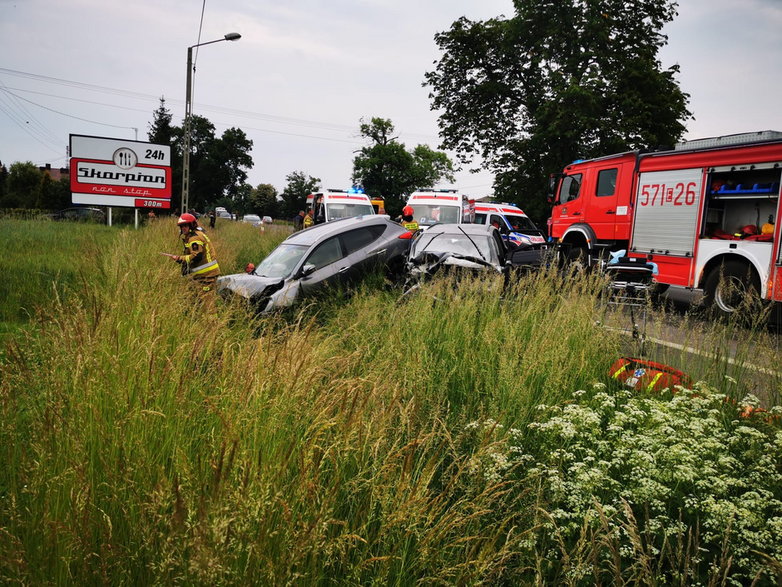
648 489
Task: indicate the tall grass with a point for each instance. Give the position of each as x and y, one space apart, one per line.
38 254
146 437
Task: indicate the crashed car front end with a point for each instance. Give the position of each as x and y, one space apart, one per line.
427 264
269 286
261 294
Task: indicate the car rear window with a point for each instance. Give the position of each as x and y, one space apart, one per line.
355 240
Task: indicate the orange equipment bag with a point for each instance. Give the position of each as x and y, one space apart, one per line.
640 374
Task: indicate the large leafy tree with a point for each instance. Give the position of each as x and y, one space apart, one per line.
386 168
264 200
217 164
23 186
294 196
54 195
560 80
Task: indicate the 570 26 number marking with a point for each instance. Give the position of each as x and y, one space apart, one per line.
660 194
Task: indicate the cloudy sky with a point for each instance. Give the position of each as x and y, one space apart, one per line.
305 72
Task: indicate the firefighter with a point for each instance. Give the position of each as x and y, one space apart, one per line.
308 220
407 219
198 259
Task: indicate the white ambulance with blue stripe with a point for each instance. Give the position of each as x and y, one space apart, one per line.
516 228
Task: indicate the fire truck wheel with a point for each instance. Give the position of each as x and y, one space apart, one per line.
575 259
730 288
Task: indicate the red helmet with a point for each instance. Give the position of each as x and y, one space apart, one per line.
186 219
749 229
407 211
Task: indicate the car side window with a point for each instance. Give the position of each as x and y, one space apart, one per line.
326 253
355 240
498 223
571 184
606 182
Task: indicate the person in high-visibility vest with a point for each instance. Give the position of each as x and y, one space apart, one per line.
198 260
308 219
407 219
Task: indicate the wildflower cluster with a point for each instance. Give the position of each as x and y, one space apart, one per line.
654 474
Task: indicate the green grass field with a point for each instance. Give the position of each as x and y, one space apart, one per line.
455 436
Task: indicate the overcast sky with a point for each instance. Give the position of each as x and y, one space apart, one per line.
305 72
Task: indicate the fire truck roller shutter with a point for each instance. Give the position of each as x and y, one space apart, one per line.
666 210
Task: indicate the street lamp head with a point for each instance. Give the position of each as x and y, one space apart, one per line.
232 36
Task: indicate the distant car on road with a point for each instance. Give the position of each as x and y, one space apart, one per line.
253 219
225 214
267 220
79 215
309 261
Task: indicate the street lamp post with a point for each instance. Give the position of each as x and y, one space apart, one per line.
188 115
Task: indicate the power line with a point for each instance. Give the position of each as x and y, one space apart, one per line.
64 114
328 126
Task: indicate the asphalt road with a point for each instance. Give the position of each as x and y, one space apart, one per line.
687 339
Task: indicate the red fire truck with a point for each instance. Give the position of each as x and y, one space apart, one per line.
704 213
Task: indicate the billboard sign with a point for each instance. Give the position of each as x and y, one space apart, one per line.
116 172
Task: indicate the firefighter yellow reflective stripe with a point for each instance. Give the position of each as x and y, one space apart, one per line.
204 268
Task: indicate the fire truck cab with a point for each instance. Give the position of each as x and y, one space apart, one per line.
704 212
441 207
331 205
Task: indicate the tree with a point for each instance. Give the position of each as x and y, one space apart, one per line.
386 168
294 195
160 130
264 200
54 195
217 165
3 180
232 155
23 186
560 80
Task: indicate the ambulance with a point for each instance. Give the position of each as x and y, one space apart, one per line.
441 207
331 205
705 213
516 228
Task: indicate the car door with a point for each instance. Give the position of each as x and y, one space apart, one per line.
329 266
364 250
601 212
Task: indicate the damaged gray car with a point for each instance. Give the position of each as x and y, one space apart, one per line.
332 254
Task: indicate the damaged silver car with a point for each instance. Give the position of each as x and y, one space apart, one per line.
331 254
